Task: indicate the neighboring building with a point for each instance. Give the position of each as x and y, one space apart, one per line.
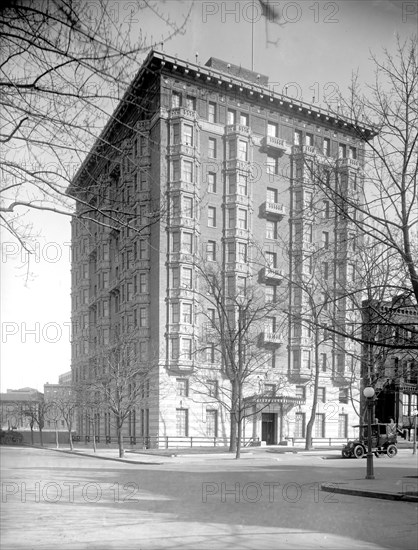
14 405
228 161
60 392
392 371
65 379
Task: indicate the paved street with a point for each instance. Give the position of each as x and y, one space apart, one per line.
266 500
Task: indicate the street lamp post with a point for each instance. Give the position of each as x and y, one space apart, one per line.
414 437
368 393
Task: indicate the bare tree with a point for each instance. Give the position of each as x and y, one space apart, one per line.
63 407
65 65
239 332
36 412
121 384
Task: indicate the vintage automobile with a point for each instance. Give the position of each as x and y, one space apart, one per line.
384 441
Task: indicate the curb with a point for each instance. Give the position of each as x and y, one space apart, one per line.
116 459
370 494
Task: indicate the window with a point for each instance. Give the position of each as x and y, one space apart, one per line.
271 229
272 129
325 239
186 277
231 218
230 252
342 151
242 218
324 361
307 200
271 259
187 171
231 116
212 388
352 153
182 386
306 359
211 216
242 150
210 353
243 119
143 283
191 102
296 360
187 243
176 134
182 422
143 351
308 233
211 423
211 251
241 286
212 148
143 317
175 241
297 137
300 424
271 195
186 313
351 273
232 149
212 112
342 425
242 185
175 100
319 430
188 207
242 252
211 182
309 140
105 279
176 170
325 270
326 210
301 392
272 164
174 349
188 135
326 147
321 395
270 293
186 349
343 395
105 308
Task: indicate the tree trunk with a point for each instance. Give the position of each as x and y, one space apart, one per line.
31 434
120 441
41 437
239 433
94 433
309 426
233 428
57 444
71 437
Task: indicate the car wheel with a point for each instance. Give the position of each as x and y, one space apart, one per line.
358 451
391 451
346 454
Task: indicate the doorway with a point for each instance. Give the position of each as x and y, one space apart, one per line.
268 428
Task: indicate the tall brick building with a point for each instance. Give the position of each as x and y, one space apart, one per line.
228 164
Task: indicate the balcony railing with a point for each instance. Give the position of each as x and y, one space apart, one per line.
272 337
182 149
272 274
237 129
183 112
276 143
273 209
348 163
237 164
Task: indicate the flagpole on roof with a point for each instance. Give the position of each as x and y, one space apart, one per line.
252 36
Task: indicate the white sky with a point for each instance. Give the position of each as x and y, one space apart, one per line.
316 51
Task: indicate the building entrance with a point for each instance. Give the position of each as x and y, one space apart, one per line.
268 428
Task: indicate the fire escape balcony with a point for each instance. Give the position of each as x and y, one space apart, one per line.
273 210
